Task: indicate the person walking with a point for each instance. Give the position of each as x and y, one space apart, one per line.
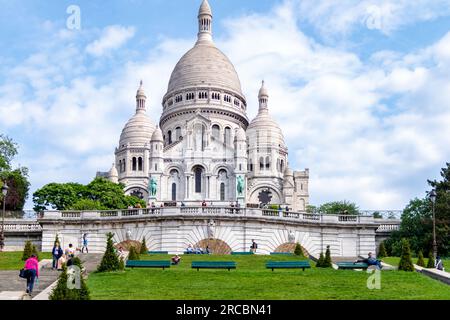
32 272
57 253
253 247
85 244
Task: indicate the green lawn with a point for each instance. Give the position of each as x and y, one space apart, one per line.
395 260
252 281
13 260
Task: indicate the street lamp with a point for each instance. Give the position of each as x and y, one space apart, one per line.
2 234
433 196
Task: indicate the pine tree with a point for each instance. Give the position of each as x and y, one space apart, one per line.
405 263
298 250
121 264
327 261
430 263
110 261
321 260
144 248
27 250
420 260
133 255
56 240
382 251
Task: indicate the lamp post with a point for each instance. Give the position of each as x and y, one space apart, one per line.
2 234
433 196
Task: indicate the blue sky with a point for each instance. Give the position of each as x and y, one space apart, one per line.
360 88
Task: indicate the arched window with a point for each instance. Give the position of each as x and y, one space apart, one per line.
251 165
261 163
222 191
282 165
178 134
120 165
227 135
216 131
174 192
124 164
140 167
198 179
267 163
169 137
134 164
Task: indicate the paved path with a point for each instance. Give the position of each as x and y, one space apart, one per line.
13 288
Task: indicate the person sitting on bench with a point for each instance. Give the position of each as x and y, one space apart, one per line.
176 259
371 261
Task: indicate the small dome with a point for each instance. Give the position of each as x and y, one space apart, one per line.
138 130
205 8
265 124
288 172
263 92
113 172
157 135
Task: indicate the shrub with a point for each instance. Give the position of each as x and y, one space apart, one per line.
405 263
133 254
56 240
430 263
27 250
321 260
420 260
144 248
110 261
327 262
121 264
382 251
35 251
62 292
298 250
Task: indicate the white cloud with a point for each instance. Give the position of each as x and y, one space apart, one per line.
112 38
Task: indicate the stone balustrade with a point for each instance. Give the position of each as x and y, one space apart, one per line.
22 226
384 225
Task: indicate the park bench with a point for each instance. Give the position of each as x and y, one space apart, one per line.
352 265
147 264
281 253
213 265
158 252
288 265
245 253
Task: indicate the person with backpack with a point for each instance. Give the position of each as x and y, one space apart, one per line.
31 271
253 247
57 253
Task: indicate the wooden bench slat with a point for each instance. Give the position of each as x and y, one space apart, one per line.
213 265
288 265
147 264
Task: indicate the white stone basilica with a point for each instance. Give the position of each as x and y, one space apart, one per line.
204 147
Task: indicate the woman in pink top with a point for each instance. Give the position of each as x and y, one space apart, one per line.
32 271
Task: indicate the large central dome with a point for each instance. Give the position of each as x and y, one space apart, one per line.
204 66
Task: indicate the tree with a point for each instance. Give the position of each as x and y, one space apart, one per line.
420 260
327 261
377 215
405 263
110 261
56 240
133 254
430 263
382 250
321 260
339 207
27 250
144 248
17 179
298 250
100 194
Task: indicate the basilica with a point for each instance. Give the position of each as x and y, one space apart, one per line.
204 147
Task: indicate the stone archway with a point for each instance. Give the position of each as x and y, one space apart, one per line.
216 246
290 247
